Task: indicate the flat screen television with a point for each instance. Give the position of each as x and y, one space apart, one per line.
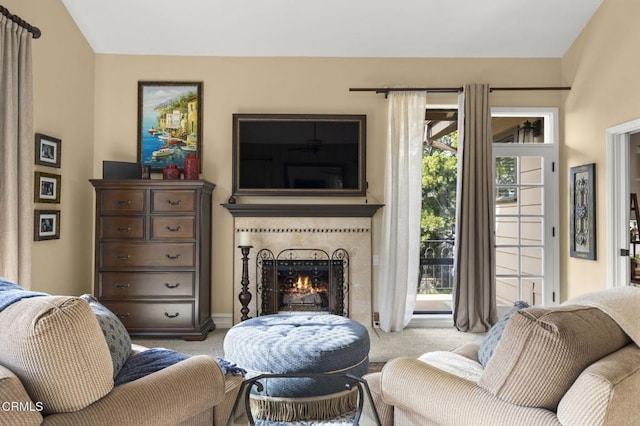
299 154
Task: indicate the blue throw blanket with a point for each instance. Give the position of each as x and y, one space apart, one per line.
155 359
11 292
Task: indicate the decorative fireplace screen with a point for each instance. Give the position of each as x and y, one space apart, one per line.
302 280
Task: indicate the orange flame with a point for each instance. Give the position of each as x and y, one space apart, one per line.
303 285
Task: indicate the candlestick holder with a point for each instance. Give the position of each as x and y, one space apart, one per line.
245 295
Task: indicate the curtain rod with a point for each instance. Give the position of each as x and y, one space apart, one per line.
18 20
386 90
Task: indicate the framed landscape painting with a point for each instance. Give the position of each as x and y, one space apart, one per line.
169 123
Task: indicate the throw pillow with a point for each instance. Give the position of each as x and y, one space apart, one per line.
114 332
491 340
55 346
544 350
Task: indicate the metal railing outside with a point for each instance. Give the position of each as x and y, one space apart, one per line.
436 267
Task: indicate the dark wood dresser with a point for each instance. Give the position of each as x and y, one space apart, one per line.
153 255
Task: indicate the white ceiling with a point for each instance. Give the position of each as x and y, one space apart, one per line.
333 28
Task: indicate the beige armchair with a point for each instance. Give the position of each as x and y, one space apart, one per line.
576 364
56 369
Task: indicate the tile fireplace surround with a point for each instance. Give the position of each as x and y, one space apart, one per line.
308 232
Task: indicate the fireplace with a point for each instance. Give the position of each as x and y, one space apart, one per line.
302 280
278 234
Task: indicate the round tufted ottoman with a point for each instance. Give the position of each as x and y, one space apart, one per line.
299 344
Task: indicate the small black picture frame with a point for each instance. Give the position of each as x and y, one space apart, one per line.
46 225
583 212
48 151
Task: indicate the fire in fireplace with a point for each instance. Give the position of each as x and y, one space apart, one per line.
304 292
303 280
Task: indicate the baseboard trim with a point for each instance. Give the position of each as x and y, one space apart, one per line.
431 321
222 320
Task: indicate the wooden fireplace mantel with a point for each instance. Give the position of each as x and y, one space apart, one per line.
302 210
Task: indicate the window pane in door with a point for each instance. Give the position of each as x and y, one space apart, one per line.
531 261
508 261
531 231
507 290
531 198
531 170
522 130
531 290
507 230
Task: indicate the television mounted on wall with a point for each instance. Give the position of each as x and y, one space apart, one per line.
299 154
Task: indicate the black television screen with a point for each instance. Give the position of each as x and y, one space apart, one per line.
296 154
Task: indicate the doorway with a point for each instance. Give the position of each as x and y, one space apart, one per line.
619 157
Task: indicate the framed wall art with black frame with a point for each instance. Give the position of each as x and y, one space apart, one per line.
583 211
48 151
46 225
169 123
46 188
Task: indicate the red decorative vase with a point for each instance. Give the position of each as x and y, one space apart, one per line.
191 167
171 172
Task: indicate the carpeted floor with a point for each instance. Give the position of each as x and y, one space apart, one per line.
411 342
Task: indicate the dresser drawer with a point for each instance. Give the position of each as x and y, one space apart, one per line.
123 254
122 200
127 227
115 285
165 201
163 227
150 315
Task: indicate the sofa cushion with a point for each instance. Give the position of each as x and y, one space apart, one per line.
543 351
114 332
56 348
490 342
454 363
12 394
148 362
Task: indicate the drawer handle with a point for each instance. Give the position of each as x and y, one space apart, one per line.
170 229
124 229
123 285
166 314
124 257
124 202
173 257
174 203
123 316
176 285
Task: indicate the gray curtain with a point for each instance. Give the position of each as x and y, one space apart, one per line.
16 152
475 289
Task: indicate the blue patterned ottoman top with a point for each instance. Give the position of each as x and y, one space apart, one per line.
299 343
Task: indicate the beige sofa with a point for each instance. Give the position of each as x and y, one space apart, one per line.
576 364
56 369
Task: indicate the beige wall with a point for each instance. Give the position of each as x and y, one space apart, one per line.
63 73
288 85
90 102
602 68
